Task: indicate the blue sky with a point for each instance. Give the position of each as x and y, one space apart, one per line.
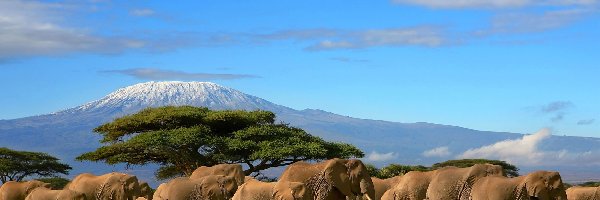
500 65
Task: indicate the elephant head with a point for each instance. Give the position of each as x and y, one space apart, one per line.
216 187
291 191
233 170
360 180
120 186
545 185
336 174
30 185
145 190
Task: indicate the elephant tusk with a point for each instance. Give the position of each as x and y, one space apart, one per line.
368 198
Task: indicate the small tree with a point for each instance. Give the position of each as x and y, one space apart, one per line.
184 138
509 170
393 170
56 183
17 165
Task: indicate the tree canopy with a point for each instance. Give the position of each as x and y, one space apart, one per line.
509 169
180 139
17 165
394 170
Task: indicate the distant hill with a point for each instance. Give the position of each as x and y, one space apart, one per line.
68 133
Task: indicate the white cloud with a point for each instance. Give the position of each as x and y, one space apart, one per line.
379 157
525 151
519 151
493 3
34 28
437 152
537 22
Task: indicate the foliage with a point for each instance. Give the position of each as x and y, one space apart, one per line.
590 184
393 170
17 165
180 139
373 171
56 183
509 169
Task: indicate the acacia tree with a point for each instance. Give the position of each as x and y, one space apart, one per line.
17 165
180 139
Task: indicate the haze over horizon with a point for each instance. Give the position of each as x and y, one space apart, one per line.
509 66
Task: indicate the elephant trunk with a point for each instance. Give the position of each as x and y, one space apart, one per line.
367 189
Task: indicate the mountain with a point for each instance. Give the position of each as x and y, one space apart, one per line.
68 133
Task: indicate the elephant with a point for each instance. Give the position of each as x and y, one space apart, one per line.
233 170
257 190
412 186
383 185
331 179
583 193
141 198
212 187
13 190
542 185
452 183
114 186
158 191
42 193
145 190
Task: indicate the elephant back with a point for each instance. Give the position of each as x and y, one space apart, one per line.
583 193
13 190
233 170
107 186
457 183
254 189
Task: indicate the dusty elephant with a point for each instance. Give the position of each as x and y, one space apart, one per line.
213 187
412 186
332 179
542 185
583 193
13 190
233 170
257 190
113 186
452 183
383 185
145 190
42 193
158 192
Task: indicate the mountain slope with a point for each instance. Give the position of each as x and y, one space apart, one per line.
68 133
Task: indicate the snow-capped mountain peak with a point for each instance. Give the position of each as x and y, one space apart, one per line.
153 94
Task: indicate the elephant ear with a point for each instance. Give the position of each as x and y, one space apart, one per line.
299 190
337 173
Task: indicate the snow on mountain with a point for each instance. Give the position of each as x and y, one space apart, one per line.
153 94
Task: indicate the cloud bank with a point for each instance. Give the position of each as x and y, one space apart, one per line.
522 150
437 152
374 156
525 152
158 74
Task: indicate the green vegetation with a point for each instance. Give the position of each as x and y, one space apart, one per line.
590 184
397 169
56 183
509 169
17 165
394 170
184 138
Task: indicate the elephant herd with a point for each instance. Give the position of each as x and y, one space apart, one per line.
114 186
335 179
